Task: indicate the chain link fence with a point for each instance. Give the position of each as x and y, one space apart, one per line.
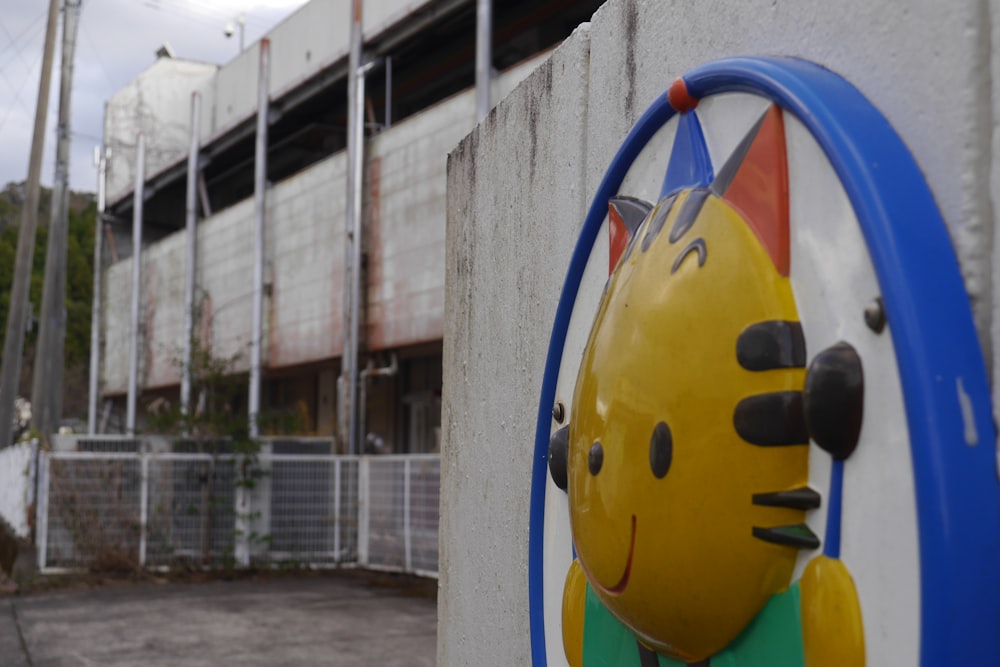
128 509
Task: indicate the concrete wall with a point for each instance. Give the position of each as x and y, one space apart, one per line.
516 191
157 102
304 255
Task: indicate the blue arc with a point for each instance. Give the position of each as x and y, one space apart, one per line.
939 359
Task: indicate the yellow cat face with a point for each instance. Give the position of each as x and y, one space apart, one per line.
686 447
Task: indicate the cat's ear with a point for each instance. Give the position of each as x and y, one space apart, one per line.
625 214
754 181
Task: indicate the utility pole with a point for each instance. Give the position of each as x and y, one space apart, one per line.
348 382
101 160
13 344
47 388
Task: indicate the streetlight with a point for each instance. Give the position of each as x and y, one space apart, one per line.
241 21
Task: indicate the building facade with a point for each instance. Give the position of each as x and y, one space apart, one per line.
420 101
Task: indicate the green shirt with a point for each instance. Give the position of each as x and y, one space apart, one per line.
773 638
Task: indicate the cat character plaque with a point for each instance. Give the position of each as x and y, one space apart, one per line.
765 434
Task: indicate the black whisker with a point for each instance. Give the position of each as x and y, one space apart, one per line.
765 346
802 498
775 419
793 535
698 245
689 213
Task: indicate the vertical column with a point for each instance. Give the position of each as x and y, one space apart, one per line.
484 56
364 504
17 315
42 508
133 361
191 219
95 308
336 510
143 507
260 186
352 261
407 525
47 383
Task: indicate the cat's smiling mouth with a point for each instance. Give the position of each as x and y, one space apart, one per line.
619 587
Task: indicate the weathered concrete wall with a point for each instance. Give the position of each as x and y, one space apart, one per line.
508 240
405 210
304 255
158 103
516 191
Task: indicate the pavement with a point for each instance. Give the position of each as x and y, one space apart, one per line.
289 621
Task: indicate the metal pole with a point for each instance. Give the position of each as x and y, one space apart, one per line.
13 344
336 510
388 92
352 259
95 308
191 215
47 389
133 363
42 511
364 515
364 375
484 56
260 185
407 524
143 508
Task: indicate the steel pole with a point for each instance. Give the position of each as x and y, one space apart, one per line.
47 386
388 92
352 258
260 187
484 56
133 362
95 308
17 315
191 218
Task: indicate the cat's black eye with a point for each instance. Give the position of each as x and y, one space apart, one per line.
661 450
596 458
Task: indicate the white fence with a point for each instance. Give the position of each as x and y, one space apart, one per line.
128 509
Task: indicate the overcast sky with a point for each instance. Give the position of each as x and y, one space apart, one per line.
117 40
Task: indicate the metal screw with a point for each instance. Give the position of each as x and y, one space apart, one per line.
875 315
559 412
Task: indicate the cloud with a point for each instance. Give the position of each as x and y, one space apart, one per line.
116 41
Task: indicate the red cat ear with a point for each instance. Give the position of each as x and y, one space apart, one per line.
754 181
625 214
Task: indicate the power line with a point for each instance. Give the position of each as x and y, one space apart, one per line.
97 56
17 95
34 31
14 40
15 89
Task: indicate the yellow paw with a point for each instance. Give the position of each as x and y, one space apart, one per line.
574 603
832 632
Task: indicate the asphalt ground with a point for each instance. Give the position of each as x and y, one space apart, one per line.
342 619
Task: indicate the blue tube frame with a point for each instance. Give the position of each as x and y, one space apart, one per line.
940 362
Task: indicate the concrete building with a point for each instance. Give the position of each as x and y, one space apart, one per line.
420 101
